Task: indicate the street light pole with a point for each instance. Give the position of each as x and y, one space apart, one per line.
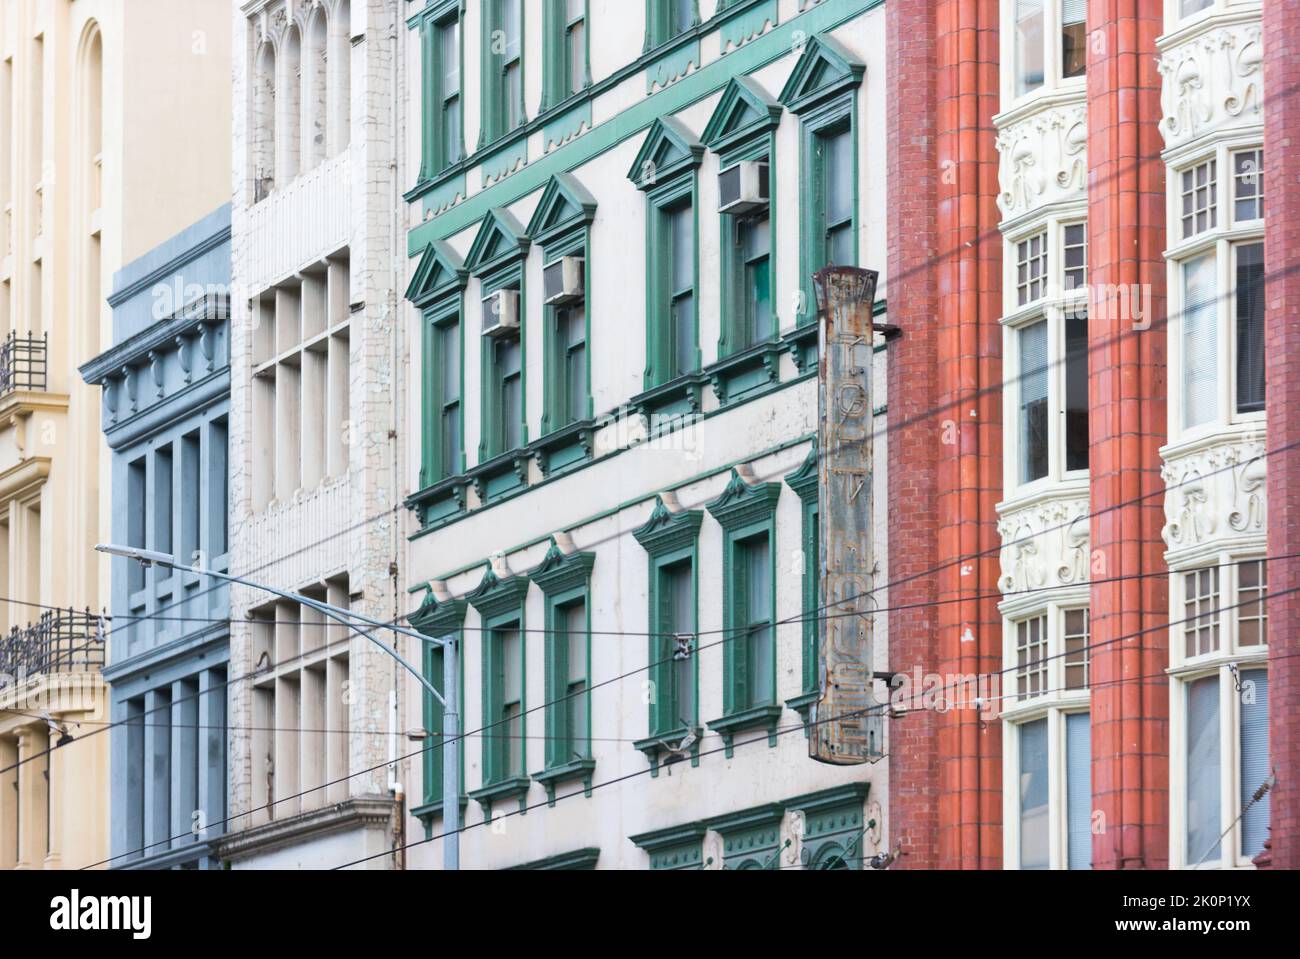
451 774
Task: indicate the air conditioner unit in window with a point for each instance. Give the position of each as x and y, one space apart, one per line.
501 313
743 188
562 281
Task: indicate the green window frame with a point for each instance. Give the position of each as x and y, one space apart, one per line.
822 92
747 515
503 69
805 483
505 681
668 19
566 56
444 416
567 372
442 58
671 542
438 621
565 581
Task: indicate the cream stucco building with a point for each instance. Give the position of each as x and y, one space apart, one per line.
99 162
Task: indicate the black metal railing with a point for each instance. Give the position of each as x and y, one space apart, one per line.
24 362
61 641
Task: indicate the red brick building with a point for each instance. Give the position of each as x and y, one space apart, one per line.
1099 388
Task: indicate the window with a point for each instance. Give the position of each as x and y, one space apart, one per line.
440 621
564 580
506 408
504 707
1031 657
503 69
681 233
1035 843
755 676
443 126
669 540
668 19
575 741
1031 268
1201 611
1248 185
1252 610
438 291
1029 45
1248 298
1200 341
447 353
839 246
805 482
1033 402
1076 256
1074 38
1200 198
1078 654
571 338
163 479
566 51
137 512
1076 392
1254 768
1078 790
1203 812
1188 7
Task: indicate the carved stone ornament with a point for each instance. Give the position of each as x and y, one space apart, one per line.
1212 81
1044 160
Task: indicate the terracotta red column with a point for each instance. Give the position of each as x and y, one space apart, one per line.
1282 266
1126 237
970 469
912 444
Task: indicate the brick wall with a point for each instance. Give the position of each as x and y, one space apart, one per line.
1282 240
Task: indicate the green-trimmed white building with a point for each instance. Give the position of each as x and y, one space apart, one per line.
611 410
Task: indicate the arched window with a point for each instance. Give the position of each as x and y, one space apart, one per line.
263 123
289 129
340 77
316 90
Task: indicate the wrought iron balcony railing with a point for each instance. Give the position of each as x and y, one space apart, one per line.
24 362
61 641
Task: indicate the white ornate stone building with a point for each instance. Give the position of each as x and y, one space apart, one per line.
314 457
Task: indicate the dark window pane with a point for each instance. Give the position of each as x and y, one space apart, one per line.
1076 392
1250 328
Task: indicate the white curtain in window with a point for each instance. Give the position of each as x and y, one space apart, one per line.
1035 851
1203 815
1200 343
1254 759
1078 788
1074 11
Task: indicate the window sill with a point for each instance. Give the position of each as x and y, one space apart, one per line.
565 447
578 769
431 811
746 373
443 500
500 476
514 788
677 398
765 717
666 749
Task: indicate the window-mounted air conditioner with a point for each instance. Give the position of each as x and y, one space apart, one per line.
562 281
743 188
501 313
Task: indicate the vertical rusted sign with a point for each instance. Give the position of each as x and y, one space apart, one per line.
846 729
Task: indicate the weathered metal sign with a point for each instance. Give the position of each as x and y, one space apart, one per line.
846 725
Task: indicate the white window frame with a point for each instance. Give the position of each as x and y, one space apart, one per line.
1185 670
1054 706
1053 307
1052 82
1221 242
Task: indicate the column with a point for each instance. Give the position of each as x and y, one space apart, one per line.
1126 238
1282 359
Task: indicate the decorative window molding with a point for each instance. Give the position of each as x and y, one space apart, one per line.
747 515
442 55
565 582
822 92
805 482
666 171
438 621
561 225
500 604
580 860
675 848
671 544
834 827
742 129
751 839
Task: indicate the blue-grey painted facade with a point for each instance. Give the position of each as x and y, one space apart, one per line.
166 383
